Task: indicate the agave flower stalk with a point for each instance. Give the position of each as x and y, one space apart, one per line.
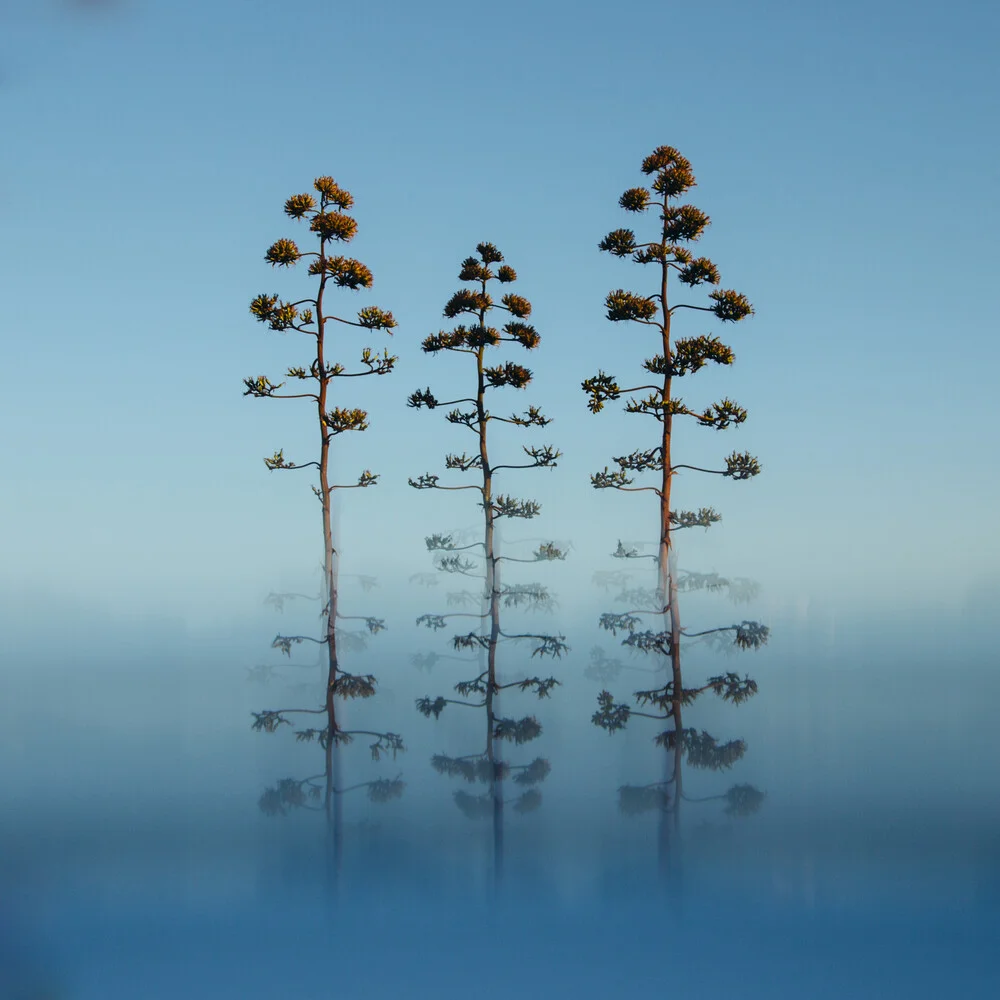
473 338
326 213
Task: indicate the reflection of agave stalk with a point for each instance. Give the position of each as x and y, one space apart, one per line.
324 792
680 224
699 748
305 793
473 339
289 793
488 766
348 686
330 224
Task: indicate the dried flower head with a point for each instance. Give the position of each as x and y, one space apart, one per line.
334 226
332 192
634 200
299 204
282 252
489 253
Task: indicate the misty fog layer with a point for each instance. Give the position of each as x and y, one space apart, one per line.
137 814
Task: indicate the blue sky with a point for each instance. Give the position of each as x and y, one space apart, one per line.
846 155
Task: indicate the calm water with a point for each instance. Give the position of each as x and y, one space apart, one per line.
143 855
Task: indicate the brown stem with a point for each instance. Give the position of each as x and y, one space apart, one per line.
667 582
329 551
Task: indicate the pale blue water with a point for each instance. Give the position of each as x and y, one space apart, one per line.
137 863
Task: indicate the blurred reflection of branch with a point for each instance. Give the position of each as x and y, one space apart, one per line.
479 768
307 793
480 692
699 748
663 702
323 792
426 661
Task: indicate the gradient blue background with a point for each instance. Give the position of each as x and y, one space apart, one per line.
848 157
845 154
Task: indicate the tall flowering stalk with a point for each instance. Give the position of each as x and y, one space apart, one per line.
330 225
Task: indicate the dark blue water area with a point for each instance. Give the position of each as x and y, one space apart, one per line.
393 941
138 860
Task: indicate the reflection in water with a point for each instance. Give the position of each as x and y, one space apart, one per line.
325 790
480 558
142 858
699 748
487 766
